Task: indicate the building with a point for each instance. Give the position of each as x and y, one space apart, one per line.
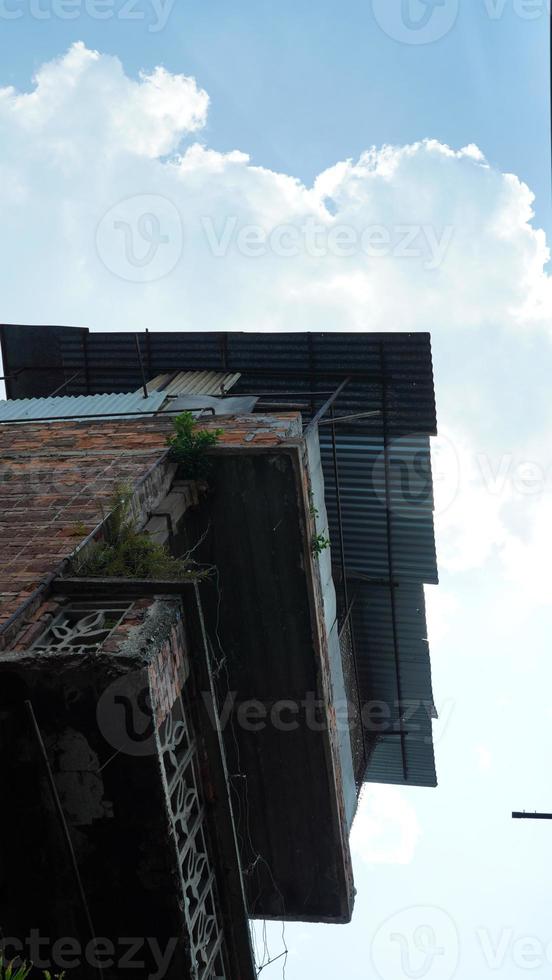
190 754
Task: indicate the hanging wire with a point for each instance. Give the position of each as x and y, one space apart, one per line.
220 667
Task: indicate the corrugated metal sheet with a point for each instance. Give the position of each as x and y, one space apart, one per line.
194 382
281 362
386 762
65 406
315 362
394 669
221 406
387 513
362 481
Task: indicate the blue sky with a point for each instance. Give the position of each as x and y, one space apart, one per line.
298 86
297 91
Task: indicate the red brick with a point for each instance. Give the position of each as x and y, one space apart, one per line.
44 497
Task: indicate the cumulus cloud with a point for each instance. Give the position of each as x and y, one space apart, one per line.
120 217
526 553
492 507
470 502
116 215
386 828
83 107
484 757
441 607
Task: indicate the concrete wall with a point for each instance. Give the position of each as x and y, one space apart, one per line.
330 615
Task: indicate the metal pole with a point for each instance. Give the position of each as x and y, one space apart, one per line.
347 418
326 406
348 606
65 383
389 525
518 815
142 372
157 413
339 519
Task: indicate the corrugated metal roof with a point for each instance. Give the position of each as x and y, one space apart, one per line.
107 361
385 764
362 484
388 512
194 382
394 668
221 406
65 406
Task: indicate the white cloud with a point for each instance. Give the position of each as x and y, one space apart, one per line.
115 216
492 507
526 555
469 518
87 137
484 757
83 107
386 828
441 608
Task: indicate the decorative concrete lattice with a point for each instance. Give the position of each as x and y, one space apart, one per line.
81 627
185 800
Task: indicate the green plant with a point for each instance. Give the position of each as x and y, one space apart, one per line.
189 446
11 970
79 530
126 552
319 544
313 509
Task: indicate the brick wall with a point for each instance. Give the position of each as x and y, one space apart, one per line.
57 479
